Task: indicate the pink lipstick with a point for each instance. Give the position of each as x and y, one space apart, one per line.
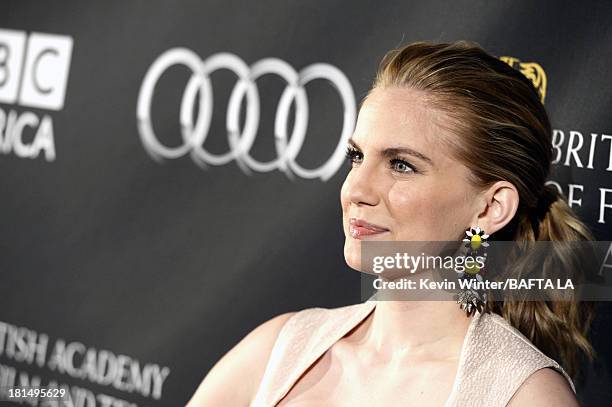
359 228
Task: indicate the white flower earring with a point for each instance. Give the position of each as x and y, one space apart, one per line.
473 298
477 237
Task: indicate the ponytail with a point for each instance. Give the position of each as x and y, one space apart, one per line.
557 328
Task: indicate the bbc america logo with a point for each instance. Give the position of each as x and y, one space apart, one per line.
199 88
33 73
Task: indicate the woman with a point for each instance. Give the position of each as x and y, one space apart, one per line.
449 137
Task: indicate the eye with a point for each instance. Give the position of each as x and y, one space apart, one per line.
402 166
353 156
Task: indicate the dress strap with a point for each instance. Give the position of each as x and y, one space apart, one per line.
304 338
499 358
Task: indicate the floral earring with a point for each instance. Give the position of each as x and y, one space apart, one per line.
472 296
476 237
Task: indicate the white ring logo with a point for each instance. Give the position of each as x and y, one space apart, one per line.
241 141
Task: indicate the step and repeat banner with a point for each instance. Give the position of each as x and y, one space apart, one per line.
170 170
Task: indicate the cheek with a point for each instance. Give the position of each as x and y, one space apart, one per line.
411 211
425 214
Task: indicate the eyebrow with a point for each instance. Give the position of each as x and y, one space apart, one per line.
392 151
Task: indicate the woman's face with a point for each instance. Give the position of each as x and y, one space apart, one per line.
404 185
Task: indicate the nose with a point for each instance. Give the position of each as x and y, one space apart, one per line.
360 186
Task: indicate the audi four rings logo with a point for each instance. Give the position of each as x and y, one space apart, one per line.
241 140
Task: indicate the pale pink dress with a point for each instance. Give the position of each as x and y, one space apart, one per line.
495 358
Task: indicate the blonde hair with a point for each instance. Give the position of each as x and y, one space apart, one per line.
496 112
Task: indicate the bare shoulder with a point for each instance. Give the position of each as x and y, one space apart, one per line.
226 384
546 387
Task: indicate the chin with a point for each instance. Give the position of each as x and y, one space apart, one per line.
352 256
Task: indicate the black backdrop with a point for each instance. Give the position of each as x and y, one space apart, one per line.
127 277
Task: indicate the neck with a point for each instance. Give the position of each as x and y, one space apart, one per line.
414 330
413 324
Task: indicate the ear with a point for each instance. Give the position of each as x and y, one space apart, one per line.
499 204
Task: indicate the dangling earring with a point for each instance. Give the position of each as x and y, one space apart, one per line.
476 237
473 299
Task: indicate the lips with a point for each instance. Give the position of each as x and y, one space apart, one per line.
359 228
